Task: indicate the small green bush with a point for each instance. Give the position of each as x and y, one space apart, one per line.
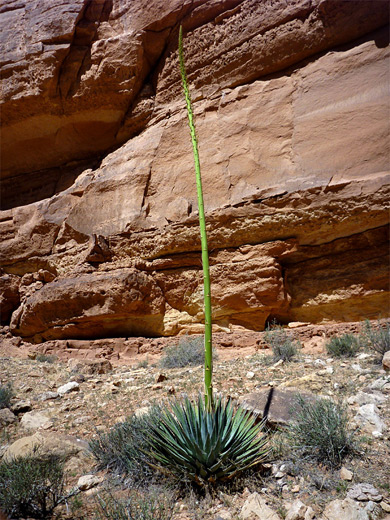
188 352
282 344
6 395
31 486
138 506
122 449
377 337
346 345
321 430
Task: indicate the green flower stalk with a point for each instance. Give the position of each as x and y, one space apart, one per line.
208 368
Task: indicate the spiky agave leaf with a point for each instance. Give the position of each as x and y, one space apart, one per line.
206 444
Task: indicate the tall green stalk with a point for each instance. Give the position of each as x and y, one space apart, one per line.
208 366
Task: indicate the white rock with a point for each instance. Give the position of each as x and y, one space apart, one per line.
362 398
297 511
377 434
347 509
255 504
72 386
88 481
48 395
380 384
369 419
250 375
35 420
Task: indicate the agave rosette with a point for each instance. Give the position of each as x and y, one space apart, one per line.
206 444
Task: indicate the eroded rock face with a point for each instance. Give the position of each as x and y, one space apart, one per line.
294 165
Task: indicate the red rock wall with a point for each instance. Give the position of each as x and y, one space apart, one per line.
99 229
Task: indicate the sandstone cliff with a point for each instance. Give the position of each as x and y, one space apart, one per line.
99 229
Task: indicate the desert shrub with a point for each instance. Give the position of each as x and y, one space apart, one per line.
123 449
138 506
282 344
45 358
346 345
376 337
142 364
206 445
321 430
189 351
31 486
6 395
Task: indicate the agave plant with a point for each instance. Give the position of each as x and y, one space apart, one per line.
206 444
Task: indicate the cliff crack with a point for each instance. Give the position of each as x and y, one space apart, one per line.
77 60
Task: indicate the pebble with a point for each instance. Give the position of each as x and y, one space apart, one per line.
346 474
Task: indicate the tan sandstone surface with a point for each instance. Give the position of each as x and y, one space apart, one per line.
99 231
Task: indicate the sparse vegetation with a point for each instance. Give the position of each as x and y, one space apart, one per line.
321 431
205 444
45 358
123 449
31 486
138 506
282 344
377 337
189 351
6 395
346 345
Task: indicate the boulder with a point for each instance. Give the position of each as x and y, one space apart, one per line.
347 509
35 420
46 444
7 417
277 404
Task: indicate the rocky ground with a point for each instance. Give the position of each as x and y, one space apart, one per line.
63 398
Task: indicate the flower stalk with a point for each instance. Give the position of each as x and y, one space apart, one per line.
208 368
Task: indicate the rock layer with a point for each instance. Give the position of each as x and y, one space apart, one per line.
292 117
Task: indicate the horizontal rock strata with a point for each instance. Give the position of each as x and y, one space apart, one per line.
291 102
